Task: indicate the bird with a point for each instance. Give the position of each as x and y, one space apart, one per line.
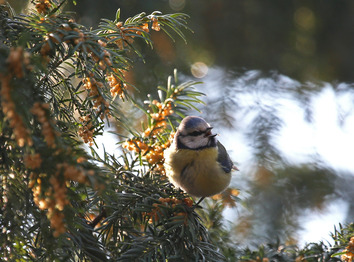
196 161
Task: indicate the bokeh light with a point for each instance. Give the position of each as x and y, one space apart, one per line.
199 69
305 18
177 5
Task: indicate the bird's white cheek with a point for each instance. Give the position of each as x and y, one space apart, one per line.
197 142
191 143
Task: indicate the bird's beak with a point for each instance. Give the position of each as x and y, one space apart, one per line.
235 168
208 132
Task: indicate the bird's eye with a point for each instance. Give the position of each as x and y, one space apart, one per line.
196 133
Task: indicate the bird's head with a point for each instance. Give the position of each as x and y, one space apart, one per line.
195 133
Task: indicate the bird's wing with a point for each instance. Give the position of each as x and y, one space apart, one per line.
224 159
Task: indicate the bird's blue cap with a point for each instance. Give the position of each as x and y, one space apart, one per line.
191 122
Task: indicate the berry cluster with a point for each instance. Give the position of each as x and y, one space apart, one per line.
43 6
86 130
104 59
127 33
33 161
15 120
156 214
66 33
155 24
99 102
159 113
40 110
348 255
148 146
17 61
54 203
71 172
117 86
152 153
54 198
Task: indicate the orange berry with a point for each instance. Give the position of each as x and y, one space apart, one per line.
188 202
155 25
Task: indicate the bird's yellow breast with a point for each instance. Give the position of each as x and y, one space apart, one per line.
196 171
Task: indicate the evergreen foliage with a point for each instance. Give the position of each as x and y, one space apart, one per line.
61 84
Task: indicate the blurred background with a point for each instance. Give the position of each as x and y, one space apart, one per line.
279 82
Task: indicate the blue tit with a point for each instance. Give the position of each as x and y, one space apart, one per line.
196 161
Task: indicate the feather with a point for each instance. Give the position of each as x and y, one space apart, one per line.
224 159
